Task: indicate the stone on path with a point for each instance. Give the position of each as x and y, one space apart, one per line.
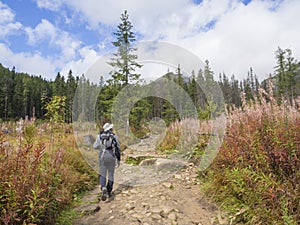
148 162
169 164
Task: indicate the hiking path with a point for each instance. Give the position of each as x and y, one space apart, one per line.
160 191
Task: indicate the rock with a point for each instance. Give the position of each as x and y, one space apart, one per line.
137 216
191 165
167 185
97 209
156 210
145 205
166 210
88 139
163 197
133 191
178 176
111 218
172 216
156 216
148 162
169 164
129 207
130 212
136 159
88 208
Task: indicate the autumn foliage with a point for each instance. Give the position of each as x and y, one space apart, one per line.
256 173
38 182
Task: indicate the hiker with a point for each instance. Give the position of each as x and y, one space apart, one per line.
109 157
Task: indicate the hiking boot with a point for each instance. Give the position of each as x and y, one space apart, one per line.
104 194
109 194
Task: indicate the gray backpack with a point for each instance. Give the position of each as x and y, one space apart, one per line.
108 144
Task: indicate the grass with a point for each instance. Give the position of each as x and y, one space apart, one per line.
67 217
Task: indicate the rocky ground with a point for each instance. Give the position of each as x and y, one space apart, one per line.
157 191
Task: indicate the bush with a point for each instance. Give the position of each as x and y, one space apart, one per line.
36 181
257 168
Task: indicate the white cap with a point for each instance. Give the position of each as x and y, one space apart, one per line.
108 126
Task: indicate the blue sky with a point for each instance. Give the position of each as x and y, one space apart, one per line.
43 37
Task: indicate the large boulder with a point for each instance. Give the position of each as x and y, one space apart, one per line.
148 162
169 164
88 139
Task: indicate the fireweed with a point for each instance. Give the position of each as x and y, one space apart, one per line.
35 184
256 173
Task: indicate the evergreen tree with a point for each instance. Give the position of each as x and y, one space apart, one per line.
124 61
70 93
59 85
286 74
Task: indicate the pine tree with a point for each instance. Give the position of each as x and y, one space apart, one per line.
124 61
286 74
70 93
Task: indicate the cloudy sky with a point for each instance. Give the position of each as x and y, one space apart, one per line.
43 37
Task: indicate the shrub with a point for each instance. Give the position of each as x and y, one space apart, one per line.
257 167
36 183
187 136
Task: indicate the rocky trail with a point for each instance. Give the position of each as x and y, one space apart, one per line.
157 191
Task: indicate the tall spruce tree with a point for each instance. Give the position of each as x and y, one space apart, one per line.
286 72
124 60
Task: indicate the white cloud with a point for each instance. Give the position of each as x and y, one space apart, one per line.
240 36
47 67
7 23
44 30
24 62
248 36
232 36
49 4
88 57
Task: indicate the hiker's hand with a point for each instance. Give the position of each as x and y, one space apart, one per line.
118 163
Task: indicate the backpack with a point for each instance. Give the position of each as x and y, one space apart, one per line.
108 142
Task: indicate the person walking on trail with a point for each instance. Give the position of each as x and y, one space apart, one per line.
109 157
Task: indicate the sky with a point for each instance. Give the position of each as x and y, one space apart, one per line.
44 37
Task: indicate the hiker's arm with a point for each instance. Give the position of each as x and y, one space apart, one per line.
96 144
118 154
118 149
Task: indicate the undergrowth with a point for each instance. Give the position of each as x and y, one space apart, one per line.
39 177
255 176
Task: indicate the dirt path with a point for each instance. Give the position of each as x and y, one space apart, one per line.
146 196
